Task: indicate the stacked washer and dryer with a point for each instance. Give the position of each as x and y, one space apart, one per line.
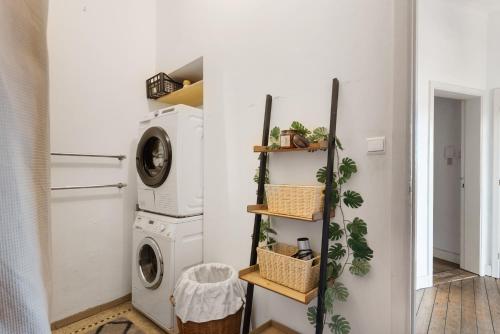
168 232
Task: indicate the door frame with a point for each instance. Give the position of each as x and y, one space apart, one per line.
440 89
495 225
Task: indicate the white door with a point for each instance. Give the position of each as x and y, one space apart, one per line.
471 191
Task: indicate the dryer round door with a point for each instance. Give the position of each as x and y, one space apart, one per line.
154 157
150 263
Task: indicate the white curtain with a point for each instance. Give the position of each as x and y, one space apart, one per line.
24 168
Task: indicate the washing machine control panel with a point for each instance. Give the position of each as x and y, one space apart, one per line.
154 226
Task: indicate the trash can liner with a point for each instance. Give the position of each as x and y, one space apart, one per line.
208 292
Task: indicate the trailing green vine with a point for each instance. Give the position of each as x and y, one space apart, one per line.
348 246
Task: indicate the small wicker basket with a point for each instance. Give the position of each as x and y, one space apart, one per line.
292 200
277 264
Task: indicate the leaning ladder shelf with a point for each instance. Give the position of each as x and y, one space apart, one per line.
251 274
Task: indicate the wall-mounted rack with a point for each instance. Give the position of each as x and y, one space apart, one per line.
119 157
115 185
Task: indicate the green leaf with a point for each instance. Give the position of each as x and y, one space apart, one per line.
270 230
358 226
333 269
338 144
311 315
274 138
299 128
347 168
266 176
339 292
339 325
335 232
321 175
275 133
360 247
319 134
359 267
329 298
337 251
352 199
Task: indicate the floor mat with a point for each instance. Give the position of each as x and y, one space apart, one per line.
117 326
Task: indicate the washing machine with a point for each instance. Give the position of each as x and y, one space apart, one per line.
169 162
163 247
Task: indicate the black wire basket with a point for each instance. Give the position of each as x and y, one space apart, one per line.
160 85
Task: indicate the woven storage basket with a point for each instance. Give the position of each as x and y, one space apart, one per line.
300 201
229 325
279 266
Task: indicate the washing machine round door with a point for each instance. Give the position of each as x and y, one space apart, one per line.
154 157
150 263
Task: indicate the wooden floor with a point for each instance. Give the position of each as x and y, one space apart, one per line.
447 272
467 306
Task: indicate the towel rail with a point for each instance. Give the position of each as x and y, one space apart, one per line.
116 185
119 157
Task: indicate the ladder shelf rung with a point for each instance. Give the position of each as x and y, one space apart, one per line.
261 209
252 275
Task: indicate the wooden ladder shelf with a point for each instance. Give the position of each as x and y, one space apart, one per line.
251 274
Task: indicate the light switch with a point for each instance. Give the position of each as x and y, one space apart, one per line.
376 145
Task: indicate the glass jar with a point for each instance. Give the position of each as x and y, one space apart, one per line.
286 138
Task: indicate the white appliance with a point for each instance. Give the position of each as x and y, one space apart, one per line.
163 247
169 162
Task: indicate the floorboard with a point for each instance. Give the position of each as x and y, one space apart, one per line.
494 302
454 313
483 314
469 323
438 318
425 312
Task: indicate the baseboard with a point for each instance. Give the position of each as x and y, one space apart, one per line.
89 312
446 255
423 282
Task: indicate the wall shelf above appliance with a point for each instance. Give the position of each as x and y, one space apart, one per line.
191 95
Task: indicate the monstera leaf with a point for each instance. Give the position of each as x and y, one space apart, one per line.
337 251
335 232
352 199
339 325
359 267
347 168
299 128
311 315
359 247
358 226
339 292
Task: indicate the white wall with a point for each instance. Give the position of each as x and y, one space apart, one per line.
494 50
101 52
452 49
293 50
447 132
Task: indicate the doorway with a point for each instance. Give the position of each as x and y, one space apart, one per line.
456 251
451 200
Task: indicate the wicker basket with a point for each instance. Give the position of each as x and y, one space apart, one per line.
229 325
279 266
300 201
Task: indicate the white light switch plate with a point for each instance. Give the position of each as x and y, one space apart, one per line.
376 145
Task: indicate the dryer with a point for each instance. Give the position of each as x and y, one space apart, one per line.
169 162
163 247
